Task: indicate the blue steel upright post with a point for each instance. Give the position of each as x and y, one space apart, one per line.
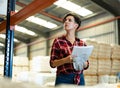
9 42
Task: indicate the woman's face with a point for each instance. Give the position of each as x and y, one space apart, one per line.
70 24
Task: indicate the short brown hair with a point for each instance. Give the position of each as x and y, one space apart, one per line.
76 17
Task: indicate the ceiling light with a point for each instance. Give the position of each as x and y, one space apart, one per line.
24 30
69 6
50 25
4 36
83 11
60 2
16 11
42 22
16 40
1 44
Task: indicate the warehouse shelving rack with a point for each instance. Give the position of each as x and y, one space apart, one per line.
13 19
9 41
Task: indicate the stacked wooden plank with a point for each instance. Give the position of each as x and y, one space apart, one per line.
91 72
1 65
40 64
20 64
115 59
91 80
95 50
104 59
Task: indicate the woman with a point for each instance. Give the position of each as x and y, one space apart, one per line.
61 53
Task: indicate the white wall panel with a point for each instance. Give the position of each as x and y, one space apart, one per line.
38 48
58 33
50 46
109 39
51 41
21 50
39 45
41 52
102 33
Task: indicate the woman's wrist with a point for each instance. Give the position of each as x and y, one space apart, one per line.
71 59
68 59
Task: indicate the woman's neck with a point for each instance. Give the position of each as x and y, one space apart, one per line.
70 37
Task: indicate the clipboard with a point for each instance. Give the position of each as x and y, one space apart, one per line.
82 51
80 55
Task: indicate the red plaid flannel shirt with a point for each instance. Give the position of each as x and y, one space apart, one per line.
61 48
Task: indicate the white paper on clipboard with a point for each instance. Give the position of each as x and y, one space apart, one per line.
82 51
81 55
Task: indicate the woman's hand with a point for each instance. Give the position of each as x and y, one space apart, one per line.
85 64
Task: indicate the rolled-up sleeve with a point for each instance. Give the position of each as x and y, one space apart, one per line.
55 52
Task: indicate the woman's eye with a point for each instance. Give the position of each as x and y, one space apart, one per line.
70 20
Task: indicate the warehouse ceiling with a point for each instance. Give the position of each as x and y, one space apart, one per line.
55 13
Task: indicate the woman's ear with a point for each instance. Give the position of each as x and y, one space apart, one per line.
76 26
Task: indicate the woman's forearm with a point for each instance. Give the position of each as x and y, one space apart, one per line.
62 61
